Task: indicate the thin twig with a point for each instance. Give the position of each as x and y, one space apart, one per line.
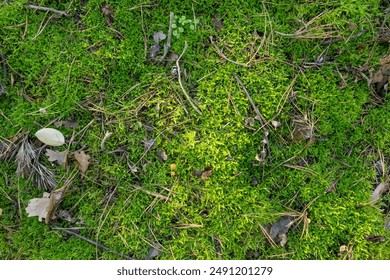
222 55
181 85
259 117
254 107
92 242
332 41
152 193
168 44
40 8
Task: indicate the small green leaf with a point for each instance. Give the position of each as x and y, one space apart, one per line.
181 29
192 27
174 25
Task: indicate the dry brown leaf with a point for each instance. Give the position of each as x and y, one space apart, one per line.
203 174
162 155
380 79
1 211
83 160
379 190
38 206
58 157
44 207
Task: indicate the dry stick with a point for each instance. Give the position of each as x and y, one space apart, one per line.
63 13
181 85
92 242
221 54
258 117
332 41
168 44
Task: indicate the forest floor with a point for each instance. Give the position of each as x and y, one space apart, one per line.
194 130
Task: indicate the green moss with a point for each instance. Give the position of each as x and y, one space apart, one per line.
80 68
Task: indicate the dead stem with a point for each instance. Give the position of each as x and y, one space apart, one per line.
181 84
92 242
46 9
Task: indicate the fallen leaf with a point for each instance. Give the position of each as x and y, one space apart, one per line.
1 211
38 206
58 157
281 226
154 251
158 36
50 136
44 207
204 173
83 160
379 190
162 156
380 79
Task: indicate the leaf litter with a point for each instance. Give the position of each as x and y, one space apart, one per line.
83 160
45 207
57 157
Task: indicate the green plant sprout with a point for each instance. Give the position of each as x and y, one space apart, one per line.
178 27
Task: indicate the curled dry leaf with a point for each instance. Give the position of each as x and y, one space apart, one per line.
44 207
162 155
57 157
83 160
50 136
204 174
380 79
38 206
379 190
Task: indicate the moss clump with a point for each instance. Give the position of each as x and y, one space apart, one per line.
98 73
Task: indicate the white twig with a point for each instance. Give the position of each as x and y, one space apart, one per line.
63 13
